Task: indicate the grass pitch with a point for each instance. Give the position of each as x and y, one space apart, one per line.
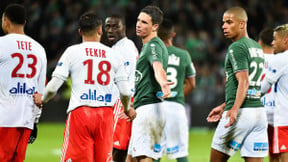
47 147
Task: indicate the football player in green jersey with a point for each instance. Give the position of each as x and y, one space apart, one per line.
182 72
147 128
243 123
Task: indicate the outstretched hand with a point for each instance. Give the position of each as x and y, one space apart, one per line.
215 114
166 89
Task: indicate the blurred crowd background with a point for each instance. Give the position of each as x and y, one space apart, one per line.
54 24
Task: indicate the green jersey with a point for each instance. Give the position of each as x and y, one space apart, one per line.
180 67
244 54
145 82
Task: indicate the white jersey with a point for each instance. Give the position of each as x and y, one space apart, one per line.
268 100
129 54
94 68
23 72
278 74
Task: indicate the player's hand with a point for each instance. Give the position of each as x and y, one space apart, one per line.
166 89
232 115
33 134
131 113
215 114
37 98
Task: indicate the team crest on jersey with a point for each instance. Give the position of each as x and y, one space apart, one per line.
138 76
60 64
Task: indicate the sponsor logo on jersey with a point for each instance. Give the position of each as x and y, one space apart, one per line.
127 63
92 96
173 60
260 146
60 64
22 89
234 145
253 93
269 103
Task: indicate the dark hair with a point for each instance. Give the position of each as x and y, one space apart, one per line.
166 29
155 13
118 16
266 36
15 13
89 22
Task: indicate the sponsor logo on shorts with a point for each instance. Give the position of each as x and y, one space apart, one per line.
69 160
234 145
283 147
173 150
157 147
260 146
92 96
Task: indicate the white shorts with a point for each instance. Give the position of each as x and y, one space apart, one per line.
175 141
147 132
248 134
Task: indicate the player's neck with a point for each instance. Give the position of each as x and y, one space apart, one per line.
91 38
149 37
16 30
240 35
268 50
168 43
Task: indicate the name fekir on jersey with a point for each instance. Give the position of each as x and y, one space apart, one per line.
129 53
268 100
278 74
23 72
94 69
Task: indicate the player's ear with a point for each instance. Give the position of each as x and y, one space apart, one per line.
99 31
79 31
173 34
155 27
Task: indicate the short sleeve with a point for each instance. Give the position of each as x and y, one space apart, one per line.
156 52
190 69
238 58
62 68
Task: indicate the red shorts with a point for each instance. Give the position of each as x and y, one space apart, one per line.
271 136
280 140
122 129
13 143
88 135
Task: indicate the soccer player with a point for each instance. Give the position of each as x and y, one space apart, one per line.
147 128
116 36
243 123
93 68
23 66
181 71
268 100
277 75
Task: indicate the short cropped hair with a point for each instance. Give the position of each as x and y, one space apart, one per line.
89 22
155 13
118 16
266 36
15 13
166 29
282 30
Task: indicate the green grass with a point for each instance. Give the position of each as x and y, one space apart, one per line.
47 147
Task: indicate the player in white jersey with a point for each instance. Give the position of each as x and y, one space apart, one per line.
94 69
23 71
116 36
278 74
268 100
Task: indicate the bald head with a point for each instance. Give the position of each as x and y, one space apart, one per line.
238 13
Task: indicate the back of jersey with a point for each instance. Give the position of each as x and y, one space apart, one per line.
93 68
23 72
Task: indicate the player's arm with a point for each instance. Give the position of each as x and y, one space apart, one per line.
51 89
265 86
160 76
243 85
189 85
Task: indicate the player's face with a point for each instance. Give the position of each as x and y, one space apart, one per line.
278 43
114 29
144 25
231 26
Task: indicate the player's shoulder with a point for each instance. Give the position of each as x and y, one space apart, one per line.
281 58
